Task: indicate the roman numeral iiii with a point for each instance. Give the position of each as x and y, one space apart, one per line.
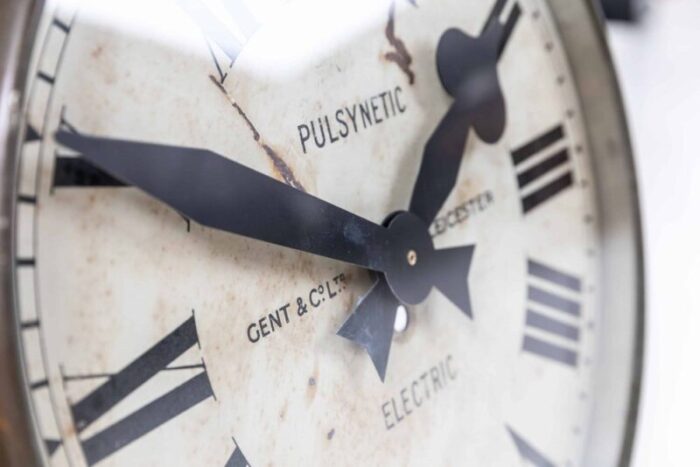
552 314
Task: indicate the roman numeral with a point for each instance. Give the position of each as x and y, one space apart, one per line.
40 390
29 324
46 77
551 312
25 262
218 35
61 25
77 172
237 459
122 384
52 445
543 168
527 451
26 199
31 134
506 28
41 384
72 172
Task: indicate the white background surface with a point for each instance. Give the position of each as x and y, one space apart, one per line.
659 66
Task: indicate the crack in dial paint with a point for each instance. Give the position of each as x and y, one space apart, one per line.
281 167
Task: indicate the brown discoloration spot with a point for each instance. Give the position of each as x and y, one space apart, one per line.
400 54
283 170
283 412
69 431
312 387
97 51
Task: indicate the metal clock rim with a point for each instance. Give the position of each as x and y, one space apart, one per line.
18 23
605 87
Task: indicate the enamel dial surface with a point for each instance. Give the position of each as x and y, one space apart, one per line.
151 336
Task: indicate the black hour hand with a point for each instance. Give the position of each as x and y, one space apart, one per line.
467 67
439 168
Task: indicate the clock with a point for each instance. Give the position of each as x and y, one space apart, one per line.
395 232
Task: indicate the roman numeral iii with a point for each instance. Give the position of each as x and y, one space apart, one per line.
543 168
124 383
553 314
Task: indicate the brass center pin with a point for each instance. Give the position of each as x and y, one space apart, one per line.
412 257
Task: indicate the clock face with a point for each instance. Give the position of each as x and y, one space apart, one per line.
205 186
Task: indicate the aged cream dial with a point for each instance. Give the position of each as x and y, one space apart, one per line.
205 185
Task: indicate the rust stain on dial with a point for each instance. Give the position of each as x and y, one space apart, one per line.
283 170
400 55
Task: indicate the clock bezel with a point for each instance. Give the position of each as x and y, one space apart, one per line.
18 23
620 378
582 32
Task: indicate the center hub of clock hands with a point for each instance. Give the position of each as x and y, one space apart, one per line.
408 270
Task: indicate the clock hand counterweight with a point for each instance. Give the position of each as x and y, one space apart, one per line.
371 324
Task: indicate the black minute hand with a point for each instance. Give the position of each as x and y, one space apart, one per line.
223 194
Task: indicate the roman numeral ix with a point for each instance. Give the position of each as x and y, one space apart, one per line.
543 168
552 315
